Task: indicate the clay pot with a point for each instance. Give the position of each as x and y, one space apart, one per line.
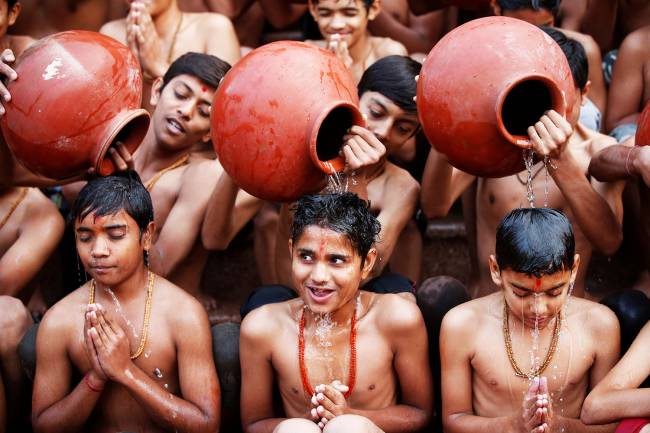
642 137
483 85
77 92
279 117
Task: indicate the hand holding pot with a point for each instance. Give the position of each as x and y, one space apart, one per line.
550 135
361 149
6 73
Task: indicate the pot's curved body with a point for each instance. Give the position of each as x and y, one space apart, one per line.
279 117
483 85
642 137
77 93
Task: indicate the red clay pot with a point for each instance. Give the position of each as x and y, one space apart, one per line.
483 85
279 116
77 92
642 137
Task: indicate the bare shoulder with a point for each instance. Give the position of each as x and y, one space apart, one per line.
466 318
398 178
210 20
395 314
384 47
67 313
180 308
599 142
596 319
265 322
37 202
637 42
115 29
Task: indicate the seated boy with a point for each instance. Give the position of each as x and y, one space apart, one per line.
523 359
127 351
343 25
341 357
618 395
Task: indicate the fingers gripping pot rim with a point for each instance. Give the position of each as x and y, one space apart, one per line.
77 93
483 85
279 117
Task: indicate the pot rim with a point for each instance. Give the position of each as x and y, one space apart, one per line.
559 104
104 166
336 164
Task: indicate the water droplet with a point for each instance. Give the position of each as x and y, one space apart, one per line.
157 373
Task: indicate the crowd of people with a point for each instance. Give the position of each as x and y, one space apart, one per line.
344 335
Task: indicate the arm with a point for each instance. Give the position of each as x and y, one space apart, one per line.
399 203
596 207
197 409
572 14
257 329
282 13
626 89
38 235
418 36
442 184
599 21
54 407
183 224
229 209
618 395
456 352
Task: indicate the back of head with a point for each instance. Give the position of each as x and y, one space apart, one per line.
393 77
344 213
575 54
535 241
111 194
207 68
552 6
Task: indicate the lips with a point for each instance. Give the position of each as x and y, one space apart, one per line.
101 269
174 126
320 294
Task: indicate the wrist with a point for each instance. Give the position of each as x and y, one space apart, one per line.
94 382
638 160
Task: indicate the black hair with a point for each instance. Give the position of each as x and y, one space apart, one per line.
343 213
366 3
535 241
110 194
10 4
512 5
207 68
393 77
575 54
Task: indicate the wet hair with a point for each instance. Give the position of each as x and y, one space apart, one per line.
344 213
535 241
10 4
366 3
207 68
575 54
393 77
110 194
512 5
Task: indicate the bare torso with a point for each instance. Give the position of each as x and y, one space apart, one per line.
376 383
495 388
116 409
496 197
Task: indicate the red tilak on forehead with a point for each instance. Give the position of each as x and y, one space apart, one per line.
321 249
204 89
538 283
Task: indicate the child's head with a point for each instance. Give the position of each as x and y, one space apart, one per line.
332 239
535 262
347 18
113 221
537 12
386 93
9 11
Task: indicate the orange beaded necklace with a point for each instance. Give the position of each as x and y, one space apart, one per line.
352 373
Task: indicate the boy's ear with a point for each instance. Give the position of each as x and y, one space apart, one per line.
290 247
495 272
312 9
12 16
147 236
374 10
574 269
156 89
368 263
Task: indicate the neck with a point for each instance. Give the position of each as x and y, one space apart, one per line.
132 287
167 20
361 48
341 316
151 158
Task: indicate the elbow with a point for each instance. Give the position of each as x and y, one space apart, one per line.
215 243
435 210
590 411
612 243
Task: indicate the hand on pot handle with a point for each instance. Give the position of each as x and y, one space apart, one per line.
121 157
6 74
361 149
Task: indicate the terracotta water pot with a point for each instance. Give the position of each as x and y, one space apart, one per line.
77 92
483 85
279 116
642 137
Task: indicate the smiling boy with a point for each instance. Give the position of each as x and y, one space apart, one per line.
523 359
344 359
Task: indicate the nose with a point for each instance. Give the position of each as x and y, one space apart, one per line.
381 129
320 273
540 306
337 22
100 248
186 109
